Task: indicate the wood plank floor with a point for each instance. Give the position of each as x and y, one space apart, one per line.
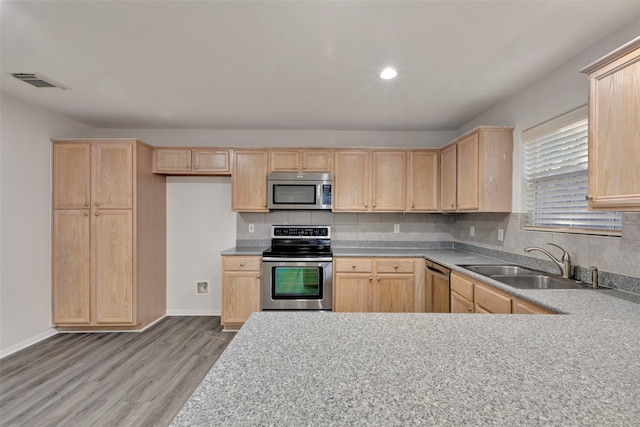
110 379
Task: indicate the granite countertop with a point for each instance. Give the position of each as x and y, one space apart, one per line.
316 368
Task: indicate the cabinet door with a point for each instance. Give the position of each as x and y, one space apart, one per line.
422 181
614 135
394 293
208 161
172 160
467 177
249 181
351 181
240 296
71 176
489 300
448 179
71 267
440 293
316 161
460 304
112 184
352 292
284 161
388 181
113 266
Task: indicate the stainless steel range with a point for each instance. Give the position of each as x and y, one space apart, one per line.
297 270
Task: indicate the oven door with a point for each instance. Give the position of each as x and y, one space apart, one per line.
297 284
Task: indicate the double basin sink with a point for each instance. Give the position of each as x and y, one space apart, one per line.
523 277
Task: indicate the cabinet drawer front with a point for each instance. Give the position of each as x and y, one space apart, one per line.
492 301
241 263
462 286
359 265
394 266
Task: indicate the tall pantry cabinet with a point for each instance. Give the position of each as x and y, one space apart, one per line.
108 235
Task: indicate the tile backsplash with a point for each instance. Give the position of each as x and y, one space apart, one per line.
617 258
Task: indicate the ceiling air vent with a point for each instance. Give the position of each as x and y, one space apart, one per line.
38 80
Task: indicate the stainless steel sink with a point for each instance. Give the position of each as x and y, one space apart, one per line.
521 277
491 270
538 281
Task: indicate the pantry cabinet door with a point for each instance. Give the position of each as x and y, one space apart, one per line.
113 266
112 186
71 176
71 270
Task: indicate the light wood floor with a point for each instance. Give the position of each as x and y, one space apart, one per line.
110 379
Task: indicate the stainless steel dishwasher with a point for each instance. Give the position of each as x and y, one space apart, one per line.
437 284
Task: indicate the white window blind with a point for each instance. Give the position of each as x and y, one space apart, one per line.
555 173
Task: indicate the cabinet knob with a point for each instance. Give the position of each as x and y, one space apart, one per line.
86 203
374 205
588 197
242 264
97 214
195 167
353 266
452 205
395 266
304 167
468 309
188 166
86 214
378 277
412 205
370 278
97 203
366 205
258 276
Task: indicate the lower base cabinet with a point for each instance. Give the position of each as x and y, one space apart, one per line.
241 283
471 296
390 285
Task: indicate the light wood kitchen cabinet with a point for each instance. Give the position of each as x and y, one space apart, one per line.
483 171
614 130
249 181
241 283
471 296
422 181
191 161
378 285
108 237
369 181
351 181
300 161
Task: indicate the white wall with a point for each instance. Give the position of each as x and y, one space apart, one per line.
25 219
200 225
283 138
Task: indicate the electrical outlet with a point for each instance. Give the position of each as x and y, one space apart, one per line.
202 287
396 228
472 231
500 235
251 228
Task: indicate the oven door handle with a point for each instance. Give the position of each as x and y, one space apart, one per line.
287 259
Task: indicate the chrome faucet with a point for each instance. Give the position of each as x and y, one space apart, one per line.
564 263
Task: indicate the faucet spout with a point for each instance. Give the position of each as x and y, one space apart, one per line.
564 263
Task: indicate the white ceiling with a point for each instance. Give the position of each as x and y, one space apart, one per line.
291 64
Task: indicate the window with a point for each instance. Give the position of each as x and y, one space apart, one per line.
555 174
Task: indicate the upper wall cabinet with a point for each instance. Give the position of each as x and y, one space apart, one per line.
476 171
249 181
300 161
422 181
191 161
614 130
369 181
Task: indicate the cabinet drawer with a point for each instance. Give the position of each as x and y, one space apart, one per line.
492 301
241 263
462 286
359 265
394 266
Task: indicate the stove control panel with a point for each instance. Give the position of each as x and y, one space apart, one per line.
301 231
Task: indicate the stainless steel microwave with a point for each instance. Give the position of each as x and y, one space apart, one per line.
299 191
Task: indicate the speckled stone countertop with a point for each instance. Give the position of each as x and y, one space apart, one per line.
315 368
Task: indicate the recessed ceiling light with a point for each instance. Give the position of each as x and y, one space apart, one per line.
388 73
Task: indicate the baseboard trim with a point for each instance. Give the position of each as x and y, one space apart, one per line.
179 312
27 343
